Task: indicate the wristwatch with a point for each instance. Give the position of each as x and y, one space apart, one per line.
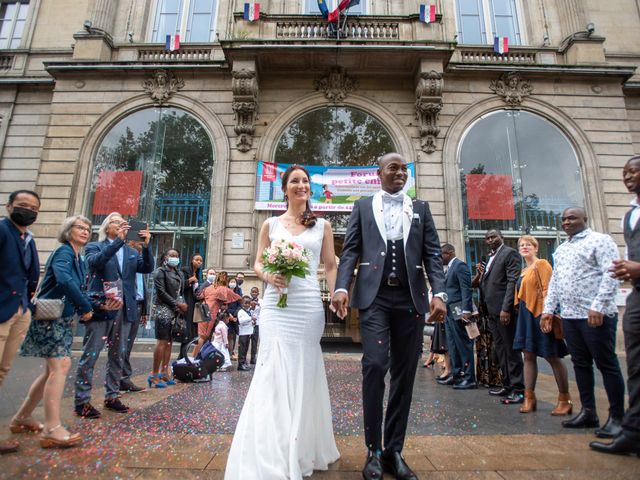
442 296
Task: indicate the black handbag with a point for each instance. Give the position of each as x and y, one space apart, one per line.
201 312
179 331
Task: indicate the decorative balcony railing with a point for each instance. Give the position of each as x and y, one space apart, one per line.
353 30
516 56
159 54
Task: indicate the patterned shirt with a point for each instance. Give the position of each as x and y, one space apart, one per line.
581 280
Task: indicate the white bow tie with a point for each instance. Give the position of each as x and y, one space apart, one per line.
395 197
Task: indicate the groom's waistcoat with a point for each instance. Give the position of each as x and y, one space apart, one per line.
395 263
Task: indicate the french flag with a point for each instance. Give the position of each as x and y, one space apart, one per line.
252 12
427 13
501 45
173 42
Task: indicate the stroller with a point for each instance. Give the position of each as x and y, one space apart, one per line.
208 360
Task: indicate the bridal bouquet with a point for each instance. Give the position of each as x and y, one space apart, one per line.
289 259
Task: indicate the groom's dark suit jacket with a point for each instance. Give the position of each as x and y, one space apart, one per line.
365 247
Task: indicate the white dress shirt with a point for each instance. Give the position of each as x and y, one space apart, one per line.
392 210
581 279
245 323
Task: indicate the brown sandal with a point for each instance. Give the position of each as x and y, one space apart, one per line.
71 440
25 426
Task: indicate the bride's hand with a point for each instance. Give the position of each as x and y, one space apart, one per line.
276 280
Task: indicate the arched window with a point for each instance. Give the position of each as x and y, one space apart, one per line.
334 136
157 165
340 136
518 172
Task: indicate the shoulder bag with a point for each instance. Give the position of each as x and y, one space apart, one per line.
47 308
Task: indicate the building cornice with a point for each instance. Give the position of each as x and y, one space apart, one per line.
61 68
623 71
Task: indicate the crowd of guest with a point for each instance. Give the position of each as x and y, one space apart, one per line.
526 309
107 289
529 309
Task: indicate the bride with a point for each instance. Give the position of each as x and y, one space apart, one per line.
285 429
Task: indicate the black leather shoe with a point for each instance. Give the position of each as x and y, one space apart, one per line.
447 380
244 368
585 419
115 405
611 429
373 467
393 463
130 387
465 385
621 445
513 398
499 392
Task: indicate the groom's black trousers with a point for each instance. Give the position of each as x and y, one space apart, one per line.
391 330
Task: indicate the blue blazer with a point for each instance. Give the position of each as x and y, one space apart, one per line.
16 278
104 267
66 276
458 285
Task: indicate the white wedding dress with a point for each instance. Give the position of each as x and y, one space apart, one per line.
285 430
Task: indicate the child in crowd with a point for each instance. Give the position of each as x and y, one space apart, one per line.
245 323
221 336
255 316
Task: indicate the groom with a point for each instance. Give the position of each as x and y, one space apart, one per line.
391 240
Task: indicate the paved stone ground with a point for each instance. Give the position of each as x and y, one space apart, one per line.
184 432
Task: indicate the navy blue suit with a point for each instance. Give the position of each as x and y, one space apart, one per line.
19 280
103 266
458 287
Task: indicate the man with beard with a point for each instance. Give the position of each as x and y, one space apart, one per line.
583 288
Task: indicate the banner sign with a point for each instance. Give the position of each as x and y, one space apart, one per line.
490 197
333 189
117 191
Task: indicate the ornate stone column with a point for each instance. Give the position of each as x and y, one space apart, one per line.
245 102
102 15
428 106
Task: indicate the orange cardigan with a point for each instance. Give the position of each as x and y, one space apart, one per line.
534 286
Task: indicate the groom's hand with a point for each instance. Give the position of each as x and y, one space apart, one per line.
437 310
339 304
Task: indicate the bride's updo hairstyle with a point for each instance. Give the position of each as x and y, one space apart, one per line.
308 218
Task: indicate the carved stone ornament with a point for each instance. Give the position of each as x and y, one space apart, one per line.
162 85
245 105
511 88
336 85
428 106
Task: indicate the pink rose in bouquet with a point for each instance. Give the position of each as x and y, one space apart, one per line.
289 259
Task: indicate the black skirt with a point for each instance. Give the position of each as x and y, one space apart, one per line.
439 339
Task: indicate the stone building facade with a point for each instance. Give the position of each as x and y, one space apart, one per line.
566 95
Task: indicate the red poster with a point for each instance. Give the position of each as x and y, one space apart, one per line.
269 171
490 197
117 191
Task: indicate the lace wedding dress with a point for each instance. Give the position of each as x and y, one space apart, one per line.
285 429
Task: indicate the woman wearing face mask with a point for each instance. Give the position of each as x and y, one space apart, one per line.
193 278
234 326
214 295
168 303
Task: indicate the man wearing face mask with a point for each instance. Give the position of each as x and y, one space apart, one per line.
110 263
21 268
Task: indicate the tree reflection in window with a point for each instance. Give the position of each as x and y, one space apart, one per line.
175 155
543 168
334 136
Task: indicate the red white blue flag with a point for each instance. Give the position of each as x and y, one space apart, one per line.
427 13
173 42
343 5
252 12
500 45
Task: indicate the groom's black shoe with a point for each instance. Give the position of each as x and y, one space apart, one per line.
373 467
393 463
